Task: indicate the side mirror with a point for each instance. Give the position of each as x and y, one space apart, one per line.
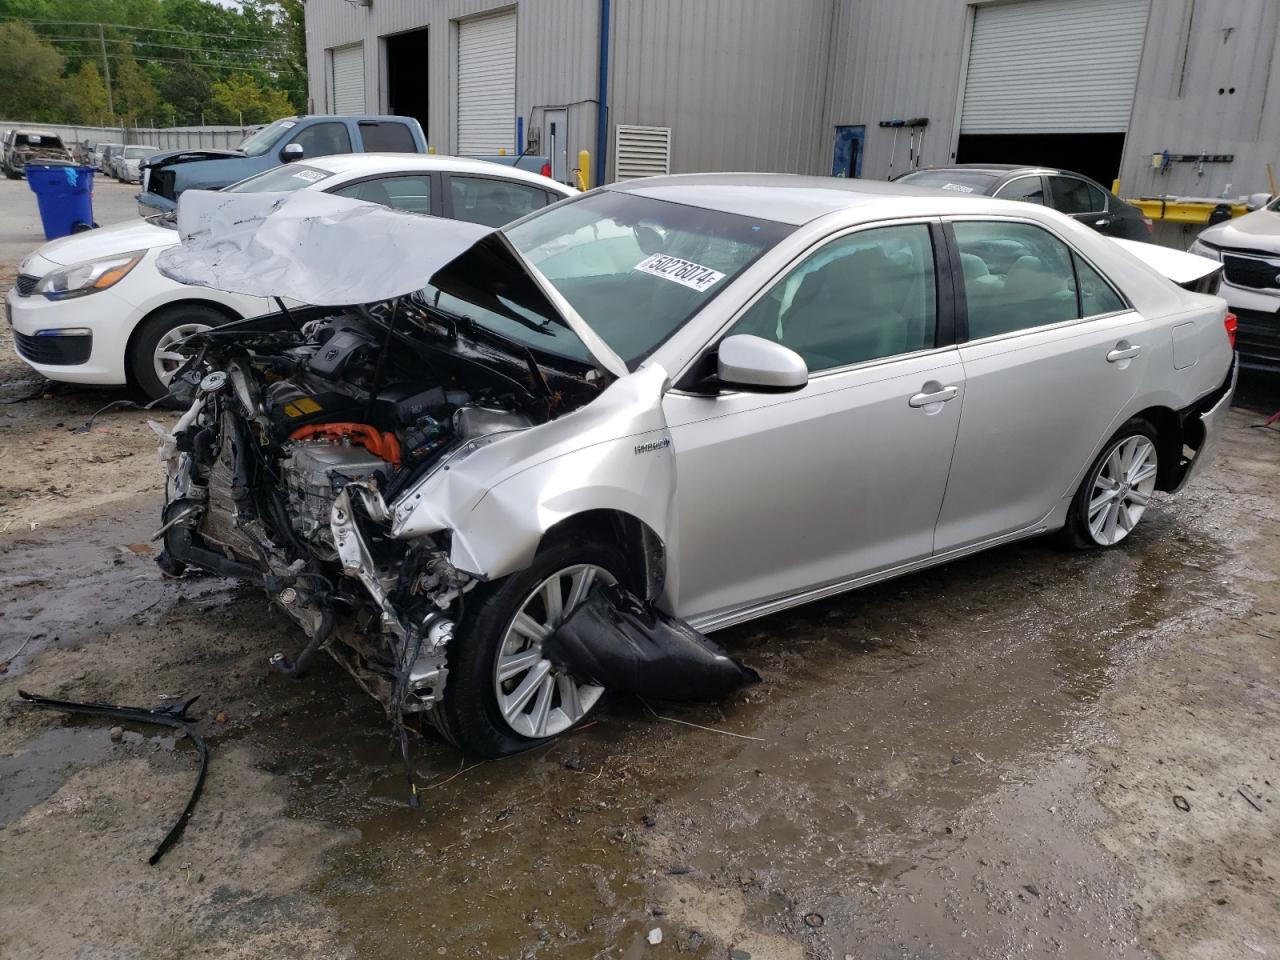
757 365
292 152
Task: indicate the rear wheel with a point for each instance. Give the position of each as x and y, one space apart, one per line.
1117 490
502 695
156 351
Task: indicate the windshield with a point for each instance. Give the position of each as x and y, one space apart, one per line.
286 179
256 144
959 181
138 153
635 269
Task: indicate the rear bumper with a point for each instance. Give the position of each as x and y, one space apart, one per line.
1202 425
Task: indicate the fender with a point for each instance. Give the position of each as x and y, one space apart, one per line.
499 495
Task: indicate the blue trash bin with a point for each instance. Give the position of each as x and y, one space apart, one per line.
64 195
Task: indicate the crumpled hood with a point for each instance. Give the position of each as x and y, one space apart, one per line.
107 242
1259 230
309 246
325 250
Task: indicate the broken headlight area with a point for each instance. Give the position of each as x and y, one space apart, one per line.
305 427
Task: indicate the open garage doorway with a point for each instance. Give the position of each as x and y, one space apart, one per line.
1096 155
407 75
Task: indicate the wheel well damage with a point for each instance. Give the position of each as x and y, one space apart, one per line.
643 548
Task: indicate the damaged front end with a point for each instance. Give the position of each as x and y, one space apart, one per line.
305 429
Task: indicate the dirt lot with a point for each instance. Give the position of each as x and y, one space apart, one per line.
977 761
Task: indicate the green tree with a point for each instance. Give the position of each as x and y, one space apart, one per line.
87 96
135 96
187 90
241 99
31 84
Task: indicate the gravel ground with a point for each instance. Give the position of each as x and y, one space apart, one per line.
1023 754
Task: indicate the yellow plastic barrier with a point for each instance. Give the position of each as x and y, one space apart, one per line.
1184 211
583 172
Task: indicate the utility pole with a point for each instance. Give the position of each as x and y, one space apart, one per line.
106 69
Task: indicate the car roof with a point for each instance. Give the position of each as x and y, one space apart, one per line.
362 164
794 199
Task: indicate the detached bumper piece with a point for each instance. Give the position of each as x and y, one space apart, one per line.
616 640
173 715
54 348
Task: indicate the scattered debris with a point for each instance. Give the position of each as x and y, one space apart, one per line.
173 715
117 734
1032 889
1252 802
1181 803
698 726
655 936
814 920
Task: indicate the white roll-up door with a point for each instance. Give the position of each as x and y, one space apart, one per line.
487 85
348 79
1053 66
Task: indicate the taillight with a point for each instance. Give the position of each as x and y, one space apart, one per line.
1232 323
1151 227
546 170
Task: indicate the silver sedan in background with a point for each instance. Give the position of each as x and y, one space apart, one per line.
731 393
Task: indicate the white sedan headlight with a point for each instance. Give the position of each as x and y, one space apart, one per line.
1204 250
81 279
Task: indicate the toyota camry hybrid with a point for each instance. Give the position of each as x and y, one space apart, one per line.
727 394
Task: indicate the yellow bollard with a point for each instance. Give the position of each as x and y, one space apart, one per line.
584 169
502 151
431 149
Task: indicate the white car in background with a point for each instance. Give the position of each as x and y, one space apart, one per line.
126 165
92 308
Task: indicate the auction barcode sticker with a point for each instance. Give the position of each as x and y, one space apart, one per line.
684 272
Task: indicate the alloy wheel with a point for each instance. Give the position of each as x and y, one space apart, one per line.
1122 489
536 699
166 357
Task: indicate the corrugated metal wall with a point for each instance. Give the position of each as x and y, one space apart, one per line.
1194 49
741 83
897 59
556 52
761 84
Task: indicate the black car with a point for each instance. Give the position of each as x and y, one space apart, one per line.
1067 192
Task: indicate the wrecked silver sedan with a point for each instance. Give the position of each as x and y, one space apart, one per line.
707 397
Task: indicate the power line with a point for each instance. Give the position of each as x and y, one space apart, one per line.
160 46
122 26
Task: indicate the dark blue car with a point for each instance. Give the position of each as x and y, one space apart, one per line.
166 175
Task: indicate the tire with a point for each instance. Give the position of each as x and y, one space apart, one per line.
155 330
1130 459
470 716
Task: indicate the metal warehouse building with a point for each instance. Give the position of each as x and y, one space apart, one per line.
847 87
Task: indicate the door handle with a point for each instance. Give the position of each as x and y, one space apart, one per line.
1123 353
933 396
1101 223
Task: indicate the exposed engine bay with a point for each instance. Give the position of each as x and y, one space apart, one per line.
304 426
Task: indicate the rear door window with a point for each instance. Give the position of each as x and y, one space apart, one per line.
1017 276
386 137
411 192
1026 189
491 201
323 139
1073 195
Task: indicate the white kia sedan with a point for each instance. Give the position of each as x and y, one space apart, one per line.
92 308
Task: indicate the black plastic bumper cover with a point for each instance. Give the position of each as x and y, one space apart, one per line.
616 640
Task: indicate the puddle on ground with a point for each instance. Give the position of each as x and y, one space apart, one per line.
34 773
889 722
893 728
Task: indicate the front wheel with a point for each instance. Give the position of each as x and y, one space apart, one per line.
1117 489
502 695
156 351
